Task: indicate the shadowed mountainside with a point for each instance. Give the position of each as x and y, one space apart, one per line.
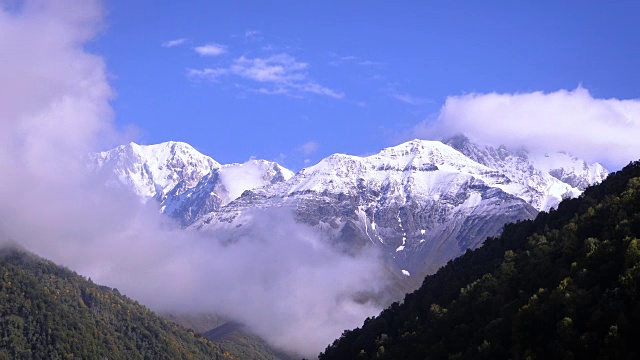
565 285
50 312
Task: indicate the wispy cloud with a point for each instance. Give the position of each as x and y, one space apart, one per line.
349 58
309 147
174 42
206 74
281 68
51 118
279 74
410 99
251 34
210 49
352 59
318 89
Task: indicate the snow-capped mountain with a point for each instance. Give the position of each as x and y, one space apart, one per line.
151 171
219 187
183 181
571 170
542 181
422 202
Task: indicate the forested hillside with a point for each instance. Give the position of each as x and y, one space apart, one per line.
563 286
49 312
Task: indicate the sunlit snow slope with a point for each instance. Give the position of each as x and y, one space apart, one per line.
184 182
422 202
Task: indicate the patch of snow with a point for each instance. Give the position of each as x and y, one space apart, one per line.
237 178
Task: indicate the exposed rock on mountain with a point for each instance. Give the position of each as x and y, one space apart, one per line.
185 183
422 202
562 286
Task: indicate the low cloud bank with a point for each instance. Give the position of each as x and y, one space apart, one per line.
279 278
602 130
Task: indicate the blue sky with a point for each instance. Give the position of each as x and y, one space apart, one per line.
289 82
296 81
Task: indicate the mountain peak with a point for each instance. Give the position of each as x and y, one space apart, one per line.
457 141
170 150
547 179
153 170
185 182
413 147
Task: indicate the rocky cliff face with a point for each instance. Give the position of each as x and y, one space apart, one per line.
185 183
543 181
152 171
422 202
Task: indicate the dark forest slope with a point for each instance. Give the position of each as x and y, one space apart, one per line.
563 286
49 312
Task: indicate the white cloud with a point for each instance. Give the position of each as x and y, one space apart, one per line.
281 68
409 99
54 109
174 43
274 91
207 73
54 95
603 130
251 34
352 59
320 90
210 50
309 147
279 74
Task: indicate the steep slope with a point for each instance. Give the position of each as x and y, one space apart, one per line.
570 169
235 339
219 187
422 202
565 285
185 183
541 181
49 312
151 171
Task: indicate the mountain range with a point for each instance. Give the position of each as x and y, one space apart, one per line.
422 203
562 286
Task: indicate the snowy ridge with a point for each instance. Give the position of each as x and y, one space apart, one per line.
153 170
340 173
427 168
569 169
220 187
541 181
421 202
252 174
186 183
